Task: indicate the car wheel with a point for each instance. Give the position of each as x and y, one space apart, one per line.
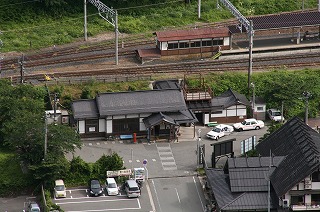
257 128
240 129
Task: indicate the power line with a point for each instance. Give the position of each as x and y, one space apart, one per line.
18 3
150 5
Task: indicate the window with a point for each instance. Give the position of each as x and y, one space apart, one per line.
195 44
207 43
172 45
260 108
125 125
183 45
92 125
216 112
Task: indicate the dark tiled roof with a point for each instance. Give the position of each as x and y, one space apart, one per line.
300 144
228 99
199 105
176 35
182 117
250 174
166 84
157 118
286 20
84 109
150 101
282 20
220 187
227 200
251 201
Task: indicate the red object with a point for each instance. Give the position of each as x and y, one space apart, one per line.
134 137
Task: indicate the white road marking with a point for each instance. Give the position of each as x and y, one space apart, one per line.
130 161
177 195
105 142
138 161
90 144
93 201
155 191
98 143
154 160
195 184
166 156
150 197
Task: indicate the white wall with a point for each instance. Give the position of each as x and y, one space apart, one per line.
109 126
232 111
163 46
81 127
142 127
226 41
206 118
102 125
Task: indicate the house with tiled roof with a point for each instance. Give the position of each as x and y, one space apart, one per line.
150 113
292 169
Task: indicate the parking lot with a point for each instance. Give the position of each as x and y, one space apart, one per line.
78 200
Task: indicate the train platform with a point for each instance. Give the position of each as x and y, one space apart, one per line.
272 45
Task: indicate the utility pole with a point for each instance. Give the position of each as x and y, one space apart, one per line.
248 25
198 145
199 9
85 21
1 44
110 15
45 135
269 172
253 99
21 63
306 96
282 112
55 108
117 36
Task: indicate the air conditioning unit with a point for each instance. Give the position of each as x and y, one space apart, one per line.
285 203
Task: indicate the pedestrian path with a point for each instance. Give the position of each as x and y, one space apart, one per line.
166 157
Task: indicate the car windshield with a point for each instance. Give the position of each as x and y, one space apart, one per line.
244 123
59 187
216 129
95 184
112 185
276 113
35 210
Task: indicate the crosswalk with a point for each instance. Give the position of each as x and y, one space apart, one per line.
166 157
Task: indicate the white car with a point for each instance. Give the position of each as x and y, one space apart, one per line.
220 131
60 189
275 115
111 187
249 124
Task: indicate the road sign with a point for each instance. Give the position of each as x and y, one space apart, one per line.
145 161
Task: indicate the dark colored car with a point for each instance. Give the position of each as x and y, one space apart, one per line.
95 188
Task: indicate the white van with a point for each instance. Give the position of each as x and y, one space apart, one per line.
111 186
59 189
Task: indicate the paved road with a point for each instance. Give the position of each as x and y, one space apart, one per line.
177 194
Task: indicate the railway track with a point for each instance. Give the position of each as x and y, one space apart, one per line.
204 67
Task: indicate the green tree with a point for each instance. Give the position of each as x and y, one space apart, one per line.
107 163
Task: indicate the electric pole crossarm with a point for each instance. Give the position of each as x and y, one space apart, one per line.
108 12
237 14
